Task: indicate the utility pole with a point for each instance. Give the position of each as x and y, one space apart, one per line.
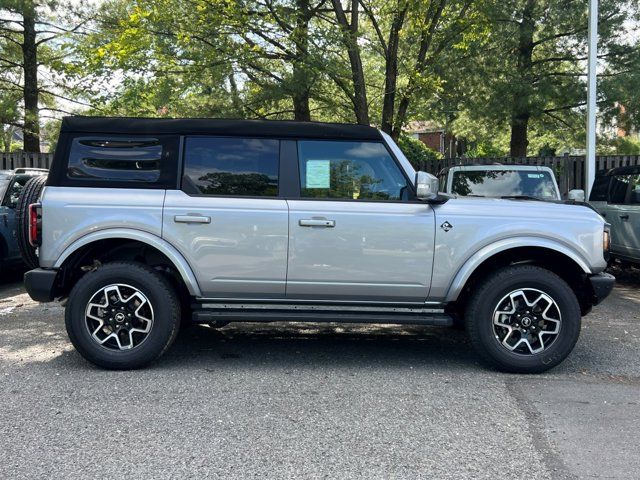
590 160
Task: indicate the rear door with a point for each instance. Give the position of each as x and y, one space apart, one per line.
227 219
355 235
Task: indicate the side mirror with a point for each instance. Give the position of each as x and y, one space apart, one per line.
426 186
576 195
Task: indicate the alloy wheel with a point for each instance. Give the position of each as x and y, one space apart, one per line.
119 317
526 321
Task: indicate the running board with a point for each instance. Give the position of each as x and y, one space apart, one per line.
251 312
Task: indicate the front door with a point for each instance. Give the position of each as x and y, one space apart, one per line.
354 234
227 220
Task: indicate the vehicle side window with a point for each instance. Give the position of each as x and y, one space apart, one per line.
349 170
600 189
115 159
634 193
14 190
618 189
231 166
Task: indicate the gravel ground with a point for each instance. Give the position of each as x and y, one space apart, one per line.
317 401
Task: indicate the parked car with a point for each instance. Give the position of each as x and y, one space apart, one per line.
500 181
12 183
616 195
143 221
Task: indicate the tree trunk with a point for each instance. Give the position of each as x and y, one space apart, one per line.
521 106
235 96
519 136
433 17
350 37
31 129
391 71
301 71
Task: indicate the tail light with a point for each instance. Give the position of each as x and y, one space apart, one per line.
35 224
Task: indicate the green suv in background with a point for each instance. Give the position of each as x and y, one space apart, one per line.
616 196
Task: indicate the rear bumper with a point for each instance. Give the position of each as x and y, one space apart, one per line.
40 284
602 284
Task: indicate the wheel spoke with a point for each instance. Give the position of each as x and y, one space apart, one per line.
533 314
110 313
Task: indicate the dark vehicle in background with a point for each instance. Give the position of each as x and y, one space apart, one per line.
12 184
616 196
498 181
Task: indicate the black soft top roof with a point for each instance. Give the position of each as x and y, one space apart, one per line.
626 170
214 126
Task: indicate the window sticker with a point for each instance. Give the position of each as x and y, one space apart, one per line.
318 174
534 175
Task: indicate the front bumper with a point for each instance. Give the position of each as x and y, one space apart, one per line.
602 284
40 284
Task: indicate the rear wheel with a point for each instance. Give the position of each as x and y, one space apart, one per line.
30 194
523 319
122 315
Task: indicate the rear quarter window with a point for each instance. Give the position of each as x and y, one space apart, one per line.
119 161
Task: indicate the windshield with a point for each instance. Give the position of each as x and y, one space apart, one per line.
500 183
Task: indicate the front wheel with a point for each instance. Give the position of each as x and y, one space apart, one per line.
122 315
523 319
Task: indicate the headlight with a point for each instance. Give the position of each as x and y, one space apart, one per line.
606 240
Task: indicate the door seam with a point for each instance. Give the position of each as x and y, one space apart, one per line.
286 271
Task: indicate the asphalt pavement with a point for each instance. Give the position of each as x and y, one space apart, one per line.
317 401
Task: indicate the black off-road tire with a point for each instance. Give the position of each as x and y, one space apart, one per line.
30 194
485 299
159 292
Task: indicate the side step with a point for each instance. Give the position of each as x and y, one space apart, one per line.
252 312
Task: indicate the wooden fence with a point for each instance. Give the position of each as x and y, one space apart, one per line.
569 170
10 161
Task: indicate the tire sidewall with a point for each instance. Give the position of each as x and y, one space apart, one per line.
551 285
164 321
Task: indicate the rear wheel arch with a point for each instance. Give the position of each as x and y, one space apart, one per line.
105 246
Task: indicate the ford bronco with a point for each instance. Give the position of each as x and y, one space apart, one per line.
144 223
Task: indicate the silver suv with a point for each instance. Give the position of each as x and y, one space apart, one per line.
144 222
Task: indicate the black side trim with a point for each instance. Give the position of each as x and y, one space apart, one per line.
207 316
40 284
602 284
289 177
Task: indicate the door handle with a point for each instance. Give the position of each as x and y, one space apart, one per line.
191 219
624 217
316 222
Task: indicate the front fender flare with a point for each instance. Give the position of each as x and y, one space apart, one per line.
489 251
176 258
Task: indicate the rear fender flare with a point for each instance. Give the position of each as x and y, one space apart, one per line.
176 258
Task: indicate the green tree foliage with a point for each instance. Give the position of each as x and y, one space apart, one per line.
528 73
34 73
416 151
506 75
